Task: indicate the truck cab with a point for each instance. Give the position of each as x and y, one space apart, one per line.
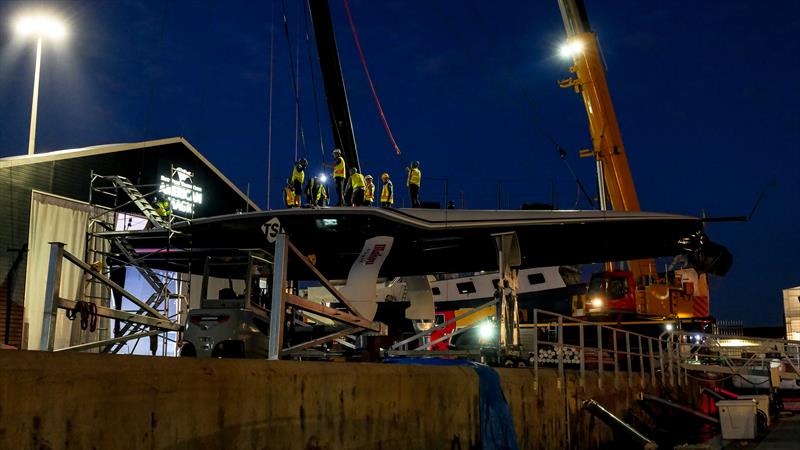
611 292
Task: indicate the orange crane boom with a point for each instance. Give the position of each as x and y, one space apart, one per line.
641 290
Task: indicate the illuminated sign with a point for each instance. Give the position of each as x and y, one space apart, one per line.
182 194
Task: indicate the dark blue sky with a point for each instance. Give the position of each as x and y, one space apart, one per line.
704 92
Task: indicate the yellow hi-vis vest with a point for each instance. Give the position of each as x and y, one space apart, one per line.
301 176
414 177
369 192
339 170
163 208
357 181
288 196
387 196
320 193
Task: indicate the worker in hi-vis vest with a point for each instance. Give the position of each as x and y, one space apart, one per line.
356 184
298 176
413 183
369 191
320 193
162 206
387 193
288 194
339 175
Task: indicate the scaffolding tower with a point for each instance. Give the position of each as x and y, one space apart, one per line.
110 252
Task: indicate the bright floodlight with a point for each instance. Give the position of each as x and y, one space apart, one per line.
41 26
570 49
486 330
323 178
669 327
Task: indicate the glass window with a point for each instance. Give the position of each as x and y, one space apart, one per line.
536 278
466 287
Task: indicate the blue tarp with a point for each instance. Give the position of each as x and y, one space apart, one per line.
497 425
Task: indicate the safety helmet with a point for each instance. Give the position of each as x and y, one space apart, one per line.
385 176
353 170
336 151
303 162
415 164
368 177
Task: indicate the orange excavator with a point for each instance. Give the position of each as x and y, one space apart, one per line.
641 290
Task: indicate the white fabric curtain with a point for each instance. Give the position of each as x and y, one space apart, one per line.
53 219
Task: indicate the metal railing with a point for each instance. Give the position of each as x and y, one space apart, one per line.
737 354
555 340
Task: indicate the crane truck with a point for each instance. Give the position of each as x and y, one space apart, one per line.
641 290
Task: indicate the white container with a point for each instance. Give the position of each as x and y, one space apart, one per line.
762 403
737 418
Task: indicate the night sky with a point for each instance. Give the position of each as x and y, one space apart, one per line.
705 92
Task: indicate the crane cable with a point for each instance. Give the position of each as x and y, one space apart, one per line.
306 14
269 120
538 119
369 78
294 80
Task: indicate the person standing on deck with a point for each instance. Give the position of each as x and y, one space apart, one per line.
356 184
339 175
288 194
311 187
298 176
320 193
413 182
369 191
387 193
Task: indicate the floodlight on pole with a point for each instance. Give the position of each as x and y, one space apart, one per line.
40 27
571 48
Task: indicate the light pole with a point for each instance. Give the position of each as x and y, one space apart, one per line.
41 27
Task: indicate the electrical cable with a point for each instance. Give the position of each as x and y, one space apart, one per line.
369 78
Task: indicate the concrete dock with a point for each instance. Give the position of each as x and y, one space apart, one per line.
83 401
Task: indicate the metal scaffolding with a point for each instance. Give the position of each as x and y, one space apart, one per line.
282 297
110 253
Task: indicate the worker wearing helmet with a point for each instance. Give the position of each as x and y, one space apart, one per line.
162 206
369 191
387 193
357 184
298 176
320 193
413 182
288 194
309 190
339 175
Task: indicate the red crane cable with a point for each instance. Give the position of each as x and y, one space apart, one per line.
369 78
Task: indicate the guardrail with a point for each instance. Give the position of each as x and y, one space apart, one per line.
603 348
564 342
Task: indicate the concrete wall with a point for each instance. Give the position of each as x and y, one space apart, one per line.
84 401
551 417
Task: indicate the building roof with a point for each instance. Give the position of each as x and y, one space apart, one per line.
57 155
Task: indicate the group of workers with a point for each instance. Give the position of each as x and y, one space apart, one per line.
353 190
